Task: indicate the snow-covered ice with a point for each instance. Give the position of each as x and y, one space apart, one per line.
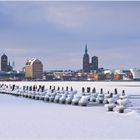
29 119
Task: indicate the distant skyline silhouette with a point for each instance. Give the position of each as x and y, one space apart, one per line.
56 33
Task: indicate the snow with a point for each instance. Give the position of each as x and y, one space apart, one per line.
29 119
129 87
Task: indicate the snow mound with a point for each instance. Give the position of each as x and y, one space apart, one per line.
134 113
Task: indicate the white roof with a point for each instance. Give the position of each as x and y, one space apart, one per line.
31 61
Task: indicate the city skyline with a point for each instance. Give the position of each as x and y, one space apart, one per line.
56 33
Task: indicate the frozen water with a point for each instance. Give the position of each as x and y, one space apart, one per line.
29 119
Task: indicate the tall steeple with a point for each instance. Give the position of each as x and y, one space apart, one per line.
86 49
86 64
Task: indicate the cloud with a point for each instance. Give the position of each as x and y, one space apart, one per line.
56 32
119 58
107 16
68 15
18 51
65 14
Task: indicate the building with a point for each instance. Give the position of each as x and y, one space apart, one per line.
34 69
86 64
94 64
135 73
4 64
118 76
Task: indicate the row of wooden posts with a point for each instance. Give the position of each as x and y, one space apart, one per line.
53 88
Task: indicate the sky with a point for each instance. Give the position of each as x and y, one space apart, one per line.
56 33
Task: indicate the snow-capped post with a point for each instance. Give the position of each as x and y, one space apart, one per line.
52 90
30 88
88 89
101 91
121 106
50 87
115 91
123 92
94 90
39 88
26 87
84 100
43 87
54 87
122 102
100 97
110 104
34 88
23 88
67 88
71 89
62 88
58 88
93 95
115 96
107 95
83 89
13 87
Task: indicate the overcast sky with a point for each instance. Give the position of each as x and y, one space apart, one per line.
56 33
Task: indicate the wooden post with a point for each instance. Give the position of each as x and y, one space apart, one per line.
94 90
101 90
88 89
83 89
115 90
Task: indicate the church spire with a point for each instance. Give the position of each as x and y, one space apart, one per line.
86 64
86 49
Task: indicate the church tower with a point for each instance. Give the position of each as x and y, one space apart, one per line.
86 64
5 66
4 62
94 63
